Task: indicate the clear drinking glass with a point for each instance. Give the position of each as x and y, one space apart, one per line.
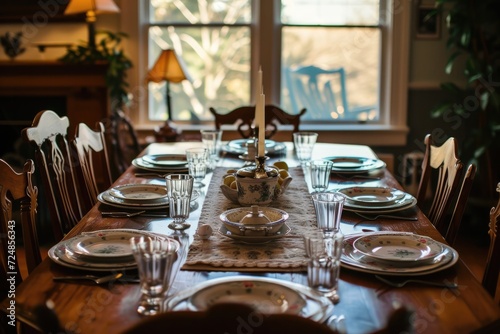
323 267
179 188
211 141
197 159
320 174
304 144
155 258
328 207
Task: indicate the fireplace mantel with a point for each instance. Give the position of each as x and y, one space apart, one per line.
82 85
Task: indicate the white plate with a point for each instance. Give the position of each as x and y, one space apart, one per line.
64 256
145 165
400 248
256 239
107 198
166 160
317 307
139 192
372 195
104 245
239 146
352 259
354 165
265 297
404 203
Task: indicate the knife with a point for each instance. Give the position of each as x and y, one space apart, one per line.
127 214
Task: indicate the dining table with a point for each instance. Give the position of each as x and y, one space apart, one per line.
365 301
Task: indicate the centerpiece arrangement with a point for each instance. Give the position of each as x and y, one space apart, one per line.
259 184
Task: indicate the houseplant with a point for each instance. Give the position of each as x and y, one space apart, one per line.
474 37
107 50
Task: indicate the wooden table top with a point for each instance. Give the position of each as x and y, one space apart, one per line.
365 301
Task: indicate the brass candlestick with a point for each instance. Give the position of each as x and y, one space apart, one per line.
260 168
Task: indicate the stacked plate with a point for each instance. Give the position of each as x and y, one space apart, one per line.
104 250
144 196
354 165
396 253
268 295
162 163
376 200
240 146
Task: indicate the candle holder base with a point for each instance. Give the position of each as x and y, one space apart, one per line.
260 168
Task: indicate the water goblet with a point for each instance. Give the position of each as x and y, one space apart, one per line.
304 143
320 174
197 159
155 258
179 189
211 141
328 207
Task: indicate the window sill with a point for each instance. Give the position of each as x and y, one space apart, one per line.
363 134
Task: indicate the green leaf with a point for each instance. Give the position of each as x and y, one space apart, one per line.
451 60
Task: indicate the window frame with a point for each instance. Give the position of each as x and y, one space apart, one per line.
392 128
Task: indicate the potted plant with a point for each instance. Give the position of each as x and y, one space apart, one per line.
474 36
107 50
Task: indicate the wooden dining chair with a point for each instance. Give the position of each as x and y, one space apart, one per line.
18 195
94 166
492 269
55 159
244 118
441 170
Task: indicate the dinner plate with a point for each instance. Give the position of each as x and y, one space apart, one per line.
256 239
166 160
265 297
404 203
317 307
143 193
354 260
64 255
102 246
354 165
412 248
107 198
376 196
145 165
239 146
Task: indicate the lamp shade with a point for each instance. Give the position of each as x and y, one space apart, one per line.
97 6
168 68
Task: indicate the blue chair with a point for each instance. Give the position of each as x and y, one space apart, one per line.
322 92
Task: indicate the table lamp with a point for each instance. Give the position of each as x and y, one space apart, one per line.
91 8
168 68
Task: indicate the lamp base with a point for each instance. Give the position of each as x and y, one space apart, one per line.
167 133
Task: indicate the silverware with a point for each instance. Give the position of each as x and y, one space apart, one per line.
119 214
95 279
385 216
160 175
357 176
400 284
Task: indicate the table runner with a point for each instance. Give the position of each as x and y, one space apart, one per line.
286 254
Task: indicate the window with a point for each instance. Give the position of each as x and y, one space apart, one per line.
223 43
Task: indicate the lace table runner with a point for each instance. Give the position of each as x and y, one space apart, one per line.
282 255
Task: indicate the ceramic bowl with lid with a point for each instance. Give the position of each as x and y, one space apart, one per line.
254 220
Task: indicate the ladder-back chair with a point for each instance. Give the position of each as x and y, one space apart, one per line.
55 162
16 188
442 163
492 269
94 160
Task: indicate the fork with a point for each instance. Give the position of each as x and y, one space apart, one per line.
385 216
122 214
95 279
400 284
160 175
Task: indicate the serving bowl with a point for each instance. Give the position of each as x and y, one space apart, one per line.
254 220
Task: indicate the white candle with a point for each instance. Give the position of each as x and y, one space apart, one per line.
262 125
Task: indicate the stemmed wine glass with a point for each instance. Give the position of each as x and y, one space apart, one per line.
179 188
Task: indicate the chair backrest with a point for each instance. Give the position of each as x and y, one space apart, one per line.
460 205
94 160
55 161
492 269
444 162
244 117
123 140
17 187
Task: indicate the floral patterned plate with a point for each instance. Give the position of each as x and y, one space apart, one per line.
404 248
